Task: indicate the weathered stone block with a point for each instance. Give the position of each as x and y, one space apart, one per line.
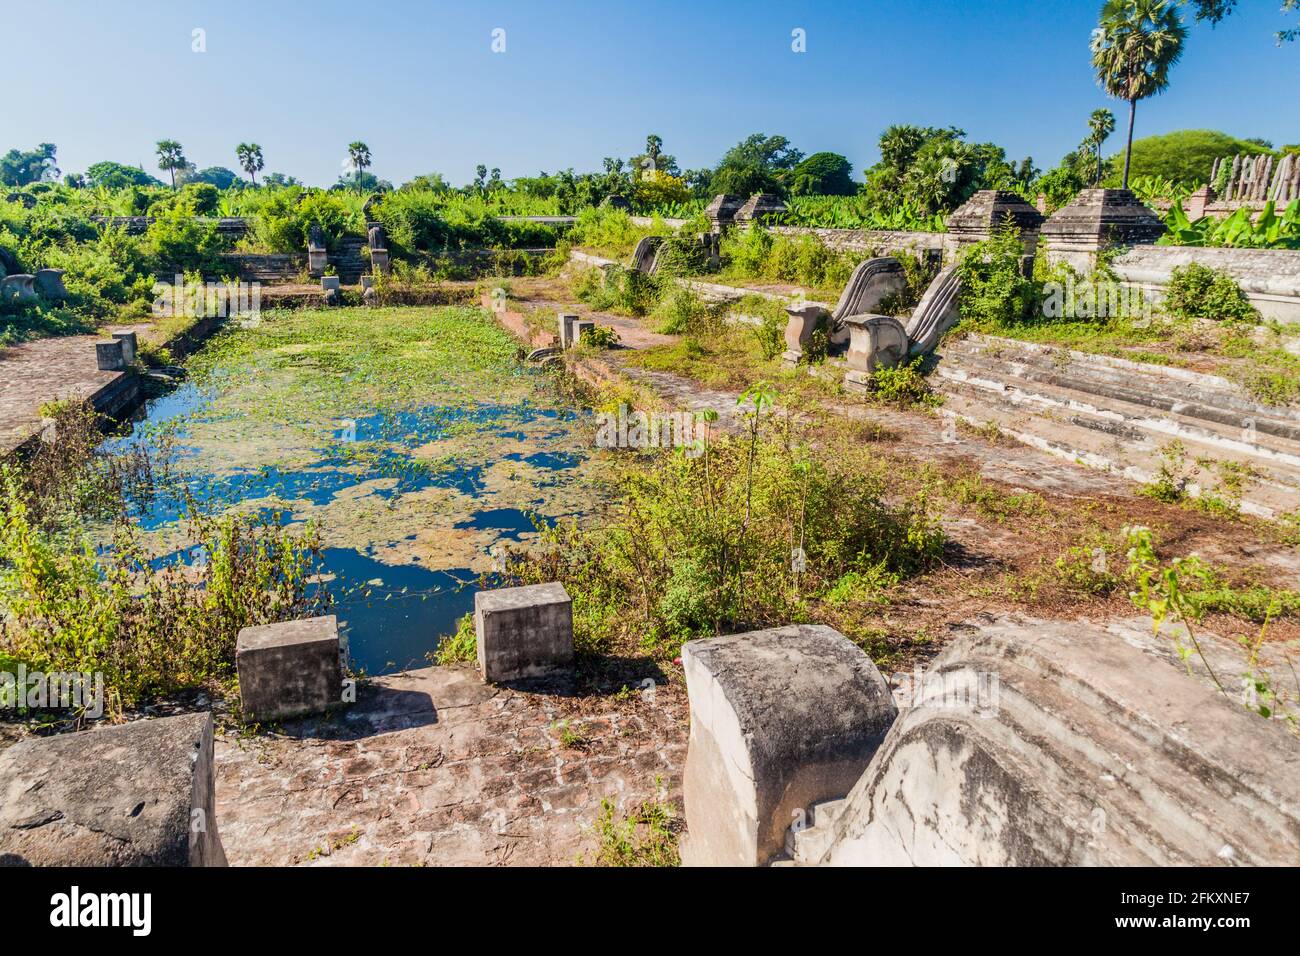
989 210
523 632
110 356
566 322
781 720
139 794
380 262
330 283
289 669
765 208
130 346
580 327
1083 745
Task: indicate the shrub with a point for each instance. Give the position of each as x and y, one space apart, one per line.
994 289
1199 292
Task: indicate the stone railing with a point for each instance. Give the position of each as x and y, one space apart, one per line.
1269 277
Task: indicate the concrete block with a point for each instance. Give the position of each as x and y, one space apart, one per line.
289 669
524 632
781 720
139 794
581 326
565 322
130 346
330 283
110 356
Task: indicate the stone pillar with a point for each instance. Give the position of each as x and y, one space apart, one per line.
523 633
289 669
781 720
138 794
721 212
566 321
1197 202
581 326
130 346
109 356
988 210
1098 219
803 321
761 208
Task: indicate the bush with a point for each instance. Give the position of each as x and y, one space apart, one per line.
1199 292
994 289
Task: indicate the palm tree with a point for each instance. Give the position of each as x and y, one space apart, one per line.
1133 49
171 158
359 157
250 158
1102 124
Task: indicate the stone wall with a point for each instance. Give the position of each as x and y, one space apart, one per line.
1271 277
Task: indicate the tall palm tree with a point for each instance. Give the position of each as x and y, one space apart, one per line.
250 158
359 157
170 157
1102 124
1133 48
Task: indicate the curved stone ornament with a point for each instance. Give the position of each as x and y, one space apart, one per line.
1050 743
936 313
876 341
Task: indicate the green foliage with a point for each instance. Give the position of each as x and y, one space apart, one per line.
903 385
460 647
617 289
1199 292
646 836
857 212
111 175
283 218
935 170
994 289
823 174
757 164
1242 229
150 627
805 260
1185 156
21 167
705 544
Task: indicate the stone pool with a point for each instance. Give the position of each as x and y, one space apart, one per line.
414 437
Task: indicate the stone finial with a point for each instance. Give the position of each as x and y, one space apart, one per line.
804 318
761 208
781 720
1197 202
289 669
138 794
721 212
524 633
988 210
1099 219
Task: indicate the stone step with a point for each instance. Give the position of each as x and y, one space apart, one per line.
1157 386
810 842
1127 418
1090 440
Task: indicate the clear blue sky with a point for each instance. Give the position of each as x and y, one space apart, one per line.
419 83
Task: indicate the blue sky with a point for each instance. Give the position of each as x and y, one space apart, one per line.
419 83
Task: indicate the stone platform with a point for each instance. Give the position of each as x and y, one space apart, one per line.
433 767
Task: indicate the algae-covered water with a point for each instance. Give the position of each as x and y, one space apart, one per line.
413 436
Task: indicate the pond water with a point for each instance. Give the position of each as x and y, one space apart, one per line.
415 479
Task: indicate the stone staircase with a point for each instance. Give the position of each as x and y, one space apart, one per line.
1122 416
268 269
349 260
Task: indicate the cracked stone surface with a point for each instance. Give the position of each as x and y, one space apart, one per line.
434 767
